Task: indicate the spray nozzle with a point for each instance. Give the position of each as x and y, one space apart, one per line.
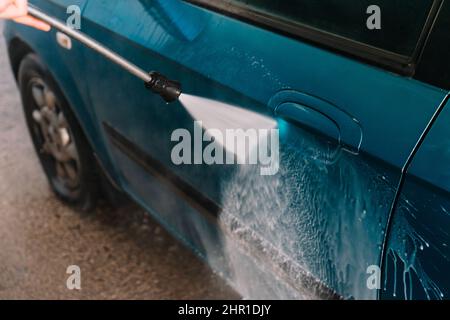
168 89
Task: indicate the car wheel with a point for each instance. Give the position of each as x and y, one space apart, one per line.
61 146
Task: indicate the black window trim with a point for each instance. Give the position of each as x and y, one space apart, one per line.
403 65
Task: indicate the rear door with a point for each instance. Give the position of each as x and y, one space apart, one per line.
417 256
339 91
418 251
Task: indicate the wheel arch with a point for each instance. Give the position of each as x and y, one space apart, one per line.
78 103
17 50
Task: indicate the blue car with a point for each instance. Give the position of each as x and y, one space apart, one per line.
348 98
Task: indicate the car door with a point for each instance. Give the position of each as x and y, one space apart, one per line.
417 255
347 114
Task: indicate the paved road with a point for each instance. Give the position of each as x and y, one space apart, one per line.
122 254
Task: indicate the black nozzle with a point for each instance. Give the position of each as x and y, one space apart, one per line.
169 90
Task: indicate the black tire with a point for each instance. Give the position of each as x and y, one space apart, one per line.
76 182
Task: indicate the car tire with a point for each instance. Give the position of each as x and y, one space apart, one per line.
62 148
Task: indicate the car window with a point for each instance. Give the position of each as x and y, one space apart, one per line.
401 21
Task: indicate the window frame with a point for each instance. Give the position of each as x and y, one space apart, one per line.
432 67
403 65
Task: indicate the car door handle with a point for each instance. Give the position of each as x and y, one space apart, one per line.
319 115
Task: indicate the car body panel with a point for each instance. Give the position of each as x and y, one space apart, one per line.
323 216
418 253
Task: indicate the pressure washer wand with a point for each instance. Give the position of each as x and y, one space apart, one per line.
168 89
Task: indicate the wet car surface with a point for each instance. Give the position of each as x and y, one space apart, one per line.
122 254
